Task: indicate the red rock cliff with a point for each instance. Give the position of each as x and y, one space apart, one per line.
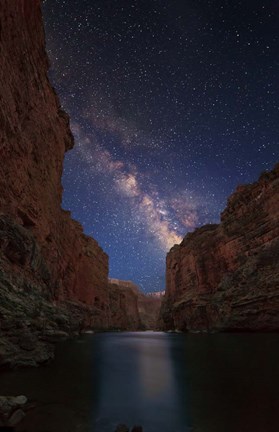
226 276
149 309
131 309
124 309
44 254
35 135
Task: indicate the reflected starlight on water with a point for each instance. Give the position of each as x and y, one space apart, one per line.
138 383
164 382
154 368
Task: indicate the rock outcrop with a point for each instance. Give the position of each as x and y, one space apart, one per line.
53 278
226 276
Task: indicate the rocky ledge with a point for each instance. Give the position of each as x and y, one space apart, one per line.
226 276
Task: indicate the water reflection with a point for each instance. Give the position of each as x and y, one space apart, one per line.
154 368
138 385
166 383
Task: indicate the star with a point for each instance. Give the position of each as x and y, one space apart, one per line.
172 105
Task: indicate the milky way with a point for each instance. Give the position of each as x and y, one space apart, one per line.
172 105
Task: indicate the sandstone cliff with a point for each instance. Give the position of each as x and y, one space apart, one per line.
139 311
226 276
123 305
149 309
52 276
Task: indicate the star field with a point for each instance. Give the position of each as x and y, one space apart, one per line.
172 104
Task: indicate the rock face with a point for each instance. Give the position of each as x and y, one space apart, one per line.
52 276
131 309
226 276
124 312
34 137
149 309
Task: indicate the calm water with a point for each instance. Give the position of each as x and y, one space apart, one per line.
164 382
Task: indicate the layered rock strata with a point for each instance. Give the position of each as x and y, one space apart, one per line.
226 276
149 309
124 310
139 311
53 278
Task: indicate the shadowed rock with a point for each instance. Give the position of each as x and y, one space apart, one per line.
53 278
226 276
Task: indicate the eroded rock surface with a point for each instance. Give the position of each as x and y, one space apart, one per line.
53 278
149 309
141 312
226 276
124 311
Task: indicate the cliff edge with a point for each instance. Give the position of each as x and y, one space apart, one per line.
53 278
226 276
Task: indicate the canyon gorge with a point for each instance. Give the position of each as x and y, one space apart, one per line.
54 278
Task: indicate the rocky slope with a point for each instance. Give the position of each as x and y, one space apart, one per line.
53 278
226 276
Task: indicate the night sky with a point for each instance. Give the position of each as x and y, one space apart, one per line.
172 104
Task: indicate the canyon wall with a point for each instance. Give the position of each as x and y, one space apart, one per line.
53 278
123 305
226 276
149 310
140 311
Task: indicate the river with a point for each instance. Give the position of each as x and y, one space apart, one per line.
164 382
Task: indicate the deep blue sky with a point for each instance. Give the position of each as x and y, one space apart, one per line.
172 104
